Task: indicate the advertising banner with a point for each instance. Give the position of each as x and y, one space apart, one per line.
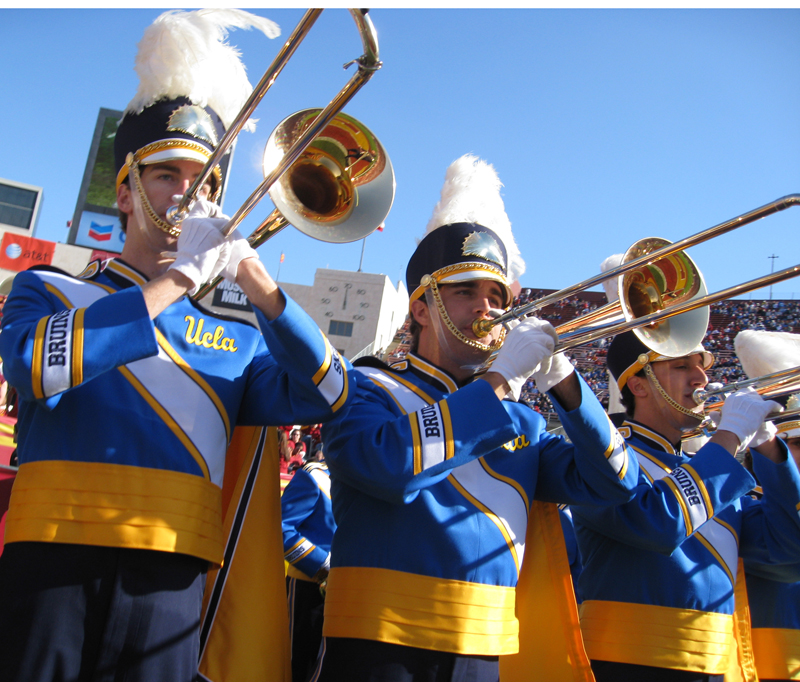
18 252
228 295
100 231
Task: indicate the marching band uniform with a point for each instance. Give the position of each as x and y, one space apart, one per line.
160 398
308 527
124 422
432 482
418 452
660 572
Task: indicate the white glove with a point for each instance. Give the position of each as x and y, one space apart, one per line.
560 369
202 251
240 250
743 414
767 431
714 418
528 348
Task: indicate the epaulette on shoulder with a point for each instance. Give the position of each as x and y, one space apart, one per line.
91 271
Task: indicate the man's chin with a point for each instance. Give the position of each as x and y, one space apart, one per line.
168 242
461 349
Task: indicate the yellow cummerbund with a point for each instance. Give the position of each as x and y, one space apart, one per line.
777 653
293 572
659 636
420 611
114 505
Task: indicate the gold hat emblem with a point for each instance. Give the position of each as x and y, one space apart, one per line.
483 245
194 121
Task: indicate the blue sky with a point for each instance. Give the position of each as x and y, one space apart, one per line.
605 126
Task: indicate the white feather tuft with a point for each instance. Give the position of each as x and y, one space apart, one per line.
610 285
614 397
762 352
184 54
471 194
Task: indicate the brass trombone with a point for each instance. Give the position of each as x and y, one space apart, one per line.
774 385
368 64
679 346
660 284
770 386
645 311
340 188
707 428
332 183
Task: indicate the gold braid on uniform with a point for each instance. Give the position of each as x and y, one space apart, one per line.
684 410
163 225
428 281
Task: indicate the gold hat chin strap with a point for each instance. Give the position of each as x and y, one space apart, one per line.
428 281
163 225
648 370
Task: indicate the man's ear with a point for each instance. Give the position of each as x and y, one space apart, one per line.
638 386
124 199
420 312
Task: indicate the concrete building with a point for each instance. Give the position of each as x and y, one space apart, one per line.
358 311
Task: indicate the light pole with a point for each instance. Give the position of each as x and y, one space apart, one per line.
771 270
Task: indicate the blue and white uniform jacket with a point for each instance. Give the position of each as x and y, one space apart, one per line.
432 485
307 520
124 422
659 572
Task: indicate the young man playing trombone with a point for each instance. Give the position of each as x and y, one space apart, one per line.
435 467
129 394
661 580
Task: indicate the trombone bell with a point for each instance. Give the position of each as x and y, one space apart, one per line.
659 285
342 186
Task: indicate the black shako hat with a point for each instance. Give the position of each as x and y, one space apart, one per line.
627 356
468 236
456 253
166 130
192 85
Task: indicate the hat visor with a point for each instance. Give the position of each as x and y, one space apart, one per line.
789 429
652 356
177 152
469 275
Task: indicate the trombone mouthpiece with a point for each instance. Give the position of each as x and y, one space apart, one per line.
700 395
482 327
174 216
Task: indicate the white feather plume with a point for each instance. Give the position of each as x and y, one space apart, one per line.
471 194
610 285
762 352
614 397
184 54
